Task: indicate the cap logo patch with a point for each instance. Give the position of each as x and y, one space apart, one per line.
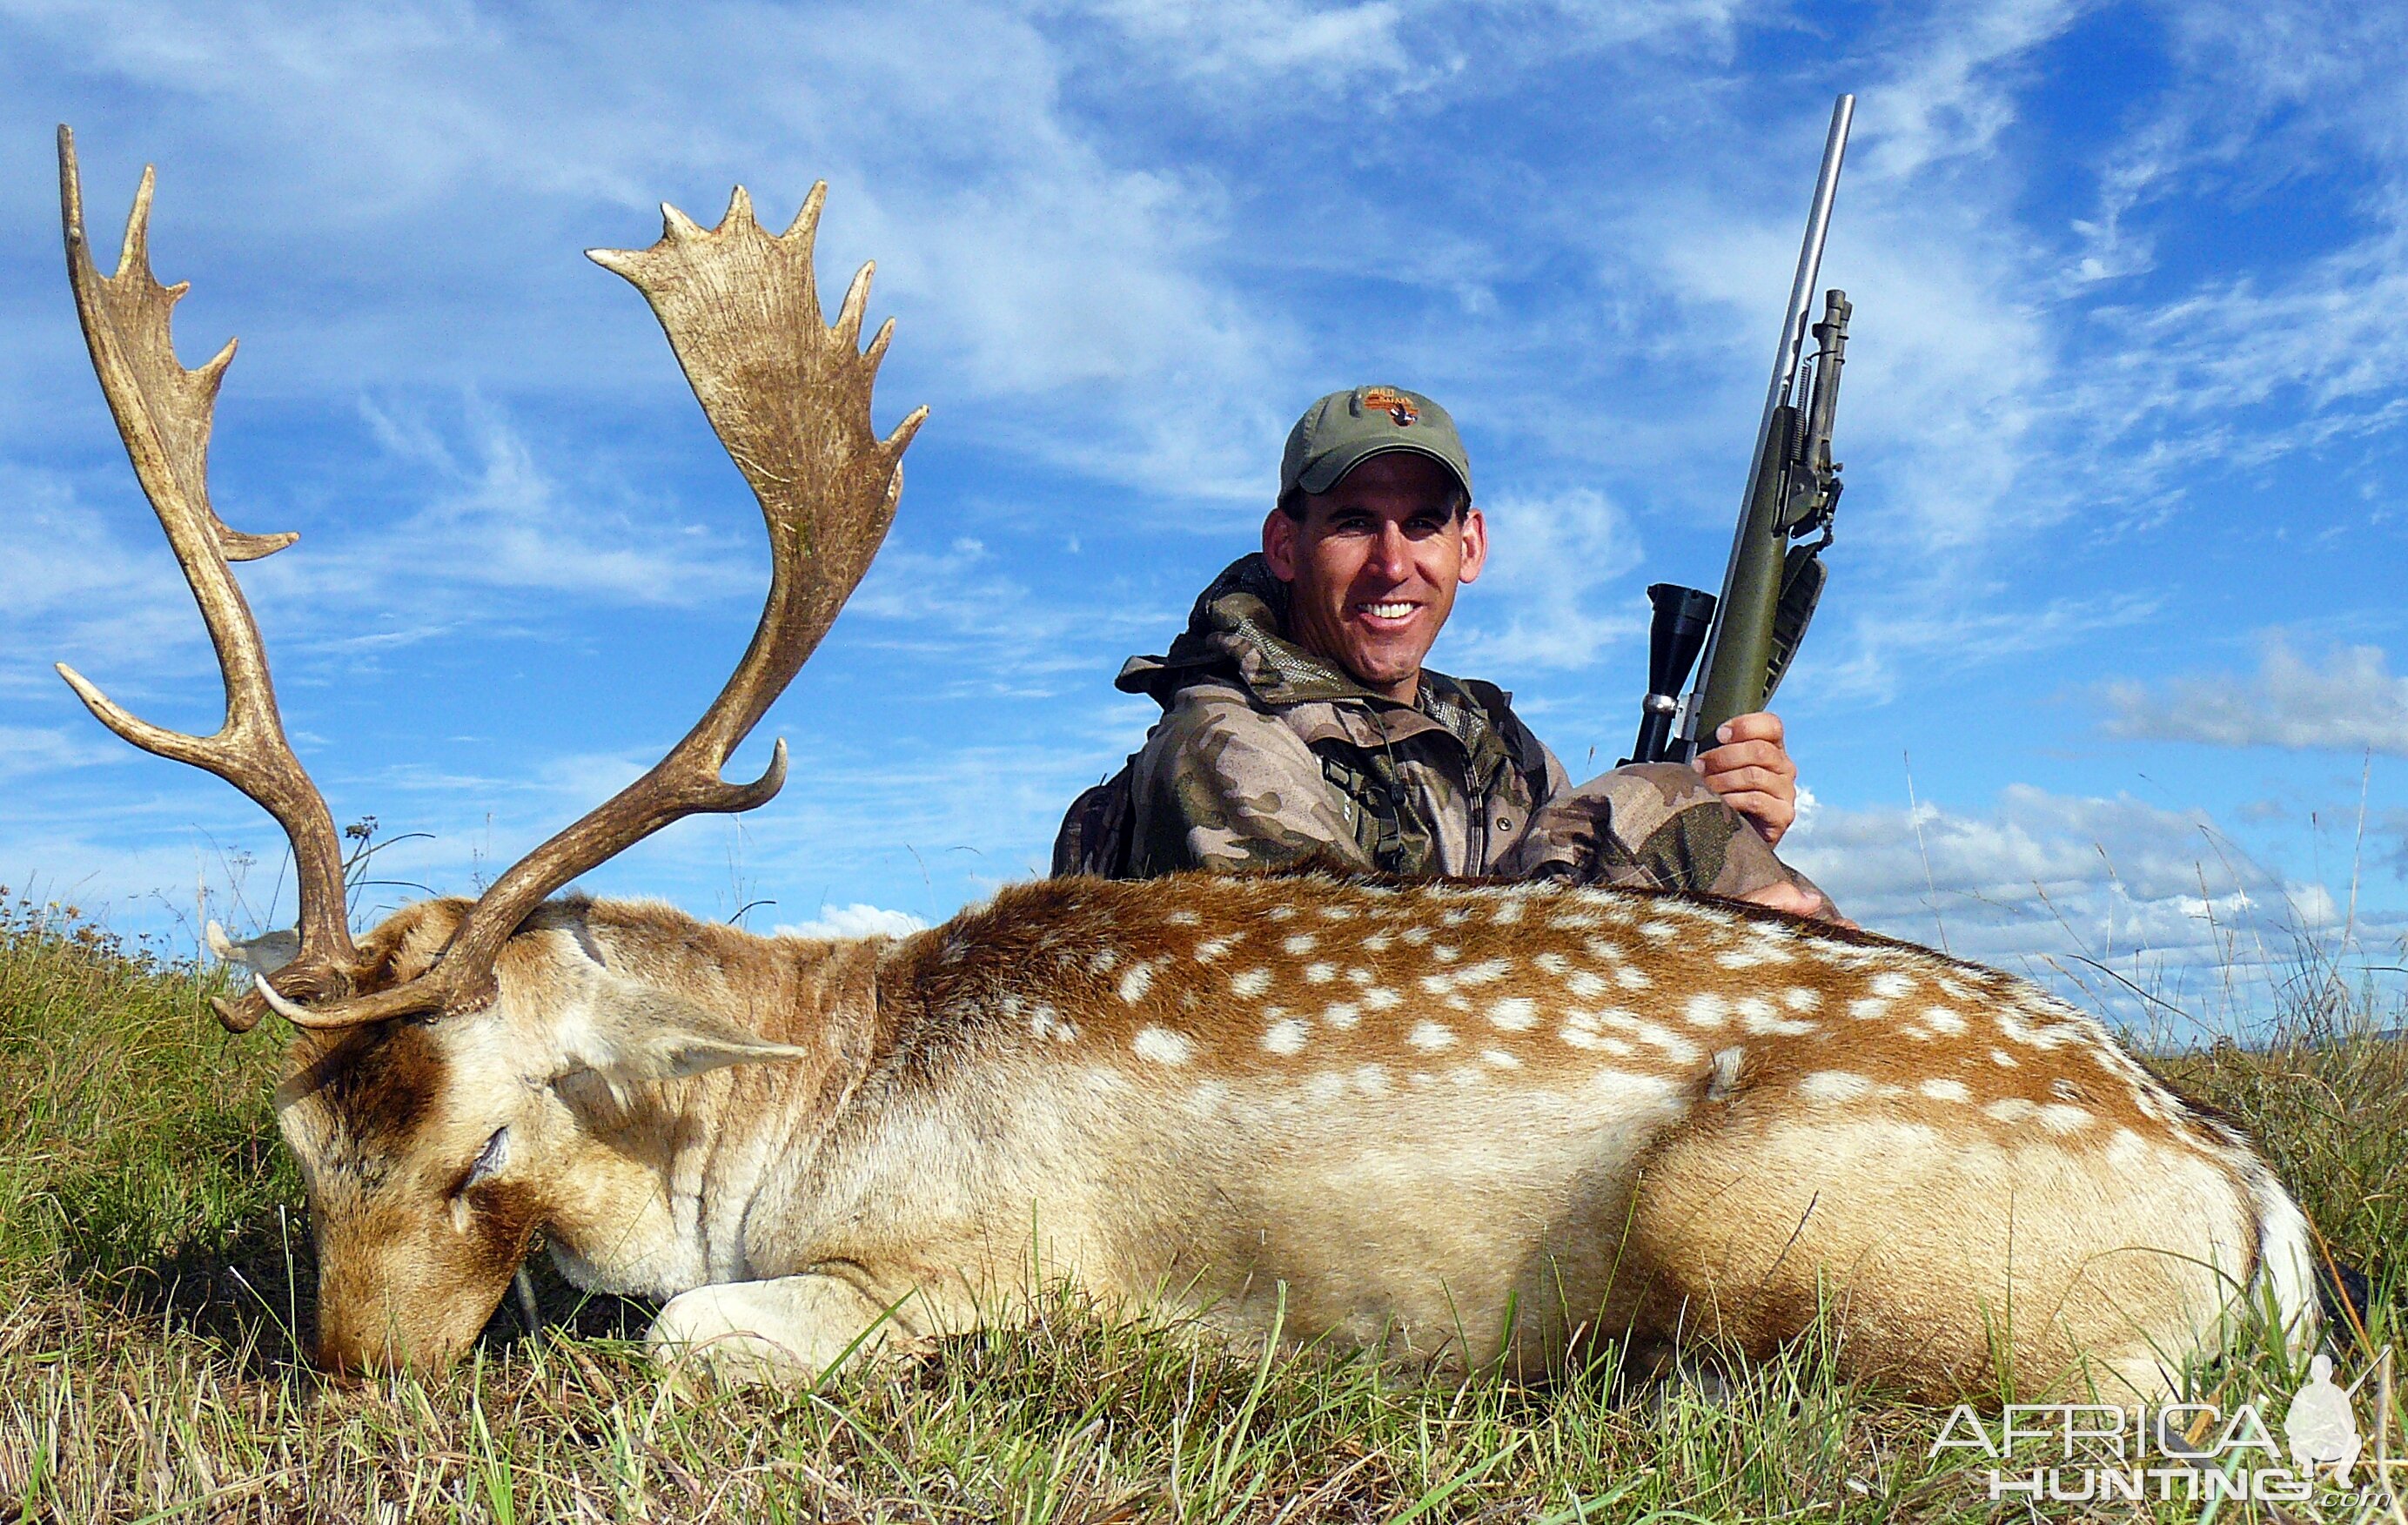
1399 407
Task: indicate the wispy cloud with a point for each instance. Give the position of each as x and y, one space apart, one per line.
2153 912
855 920
2351 701
1546 598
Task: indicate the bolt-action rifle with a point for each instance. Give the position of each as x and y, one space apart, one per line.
1776 575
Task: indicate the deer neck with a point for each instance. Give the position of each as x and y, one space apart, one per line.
654 1196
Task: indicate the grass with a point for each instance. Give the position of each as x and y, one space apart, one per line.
153 1260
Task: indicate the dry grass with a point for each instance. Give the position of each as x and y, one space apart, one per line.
153 1259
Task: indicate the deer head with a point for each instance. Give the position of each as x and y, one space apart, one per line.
415 1097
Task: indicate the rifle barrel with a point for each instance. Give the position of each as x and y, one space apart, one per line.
1785 358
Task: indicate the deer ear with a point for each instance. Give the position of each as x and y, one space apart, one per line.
262 955
633 1032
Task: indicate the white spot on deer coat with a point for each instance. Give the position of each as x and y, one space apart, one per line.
1382 998
2060 1117
1286 1036
1677 1048
1834 1085
1487 972
1946 1090
1342 1015
1431 1035
1213 947
1299 945
1890 985
1319 974
1940 1019
1758 1015
1163 1047
1136 983
1515 1013
1706 1010
1583 1035
1249 983
1758 949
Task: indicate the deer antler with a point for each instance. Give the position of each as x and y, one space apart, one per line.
163 414
789 396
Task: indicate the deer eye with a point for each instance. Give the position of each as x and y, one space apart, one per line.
494 1155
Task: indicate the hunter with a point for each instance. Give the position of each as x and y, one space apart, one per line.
1298 721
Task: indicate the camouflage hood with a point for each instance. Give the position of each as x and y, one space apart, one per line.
1234 635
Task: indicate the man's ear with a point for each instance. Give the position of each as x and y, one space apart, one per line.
1279 544
1475 546
634 1033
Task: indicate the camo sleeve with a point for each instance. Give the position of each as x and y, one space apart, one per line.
1221 785
1653 826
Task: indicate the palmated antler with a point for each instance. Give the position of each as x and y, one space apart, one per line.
163 414
789 396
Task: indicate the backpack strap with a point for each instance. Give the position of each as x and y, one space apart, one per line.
1095 830
1375 803
1529 752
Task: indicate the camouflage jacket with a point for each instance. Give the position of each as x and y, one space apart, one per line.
1267 754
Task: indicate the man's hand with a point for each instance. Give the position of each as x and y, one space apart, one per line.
1753 773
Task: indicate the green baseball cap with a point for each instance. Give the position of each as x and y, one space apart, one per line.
1344 429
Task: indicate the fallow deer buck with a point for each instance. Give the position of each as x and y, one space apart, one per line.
1455 1121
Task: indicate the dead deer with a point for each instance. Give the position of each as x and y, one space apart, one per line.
1456 1122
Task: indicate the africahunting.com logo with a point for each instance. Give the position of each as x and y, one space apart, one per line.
2084 1453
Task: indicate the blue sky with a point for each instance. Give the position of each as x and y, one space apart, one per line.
2109 669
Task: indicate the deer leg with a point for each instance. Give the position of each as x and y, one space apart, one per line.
791 1328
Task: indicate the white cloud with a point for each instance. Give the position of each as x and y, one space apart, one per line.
1543 600
2352 702
855 920
499 516
1254 43
2103 896
35 749
1954 91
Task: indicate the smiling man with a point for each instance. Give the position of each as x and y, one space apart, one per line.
1299 722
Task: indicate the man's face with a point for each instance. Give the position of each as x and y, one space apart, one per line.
1372 567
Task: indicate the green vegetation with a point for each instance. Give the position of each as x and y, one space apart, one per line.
153 1258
